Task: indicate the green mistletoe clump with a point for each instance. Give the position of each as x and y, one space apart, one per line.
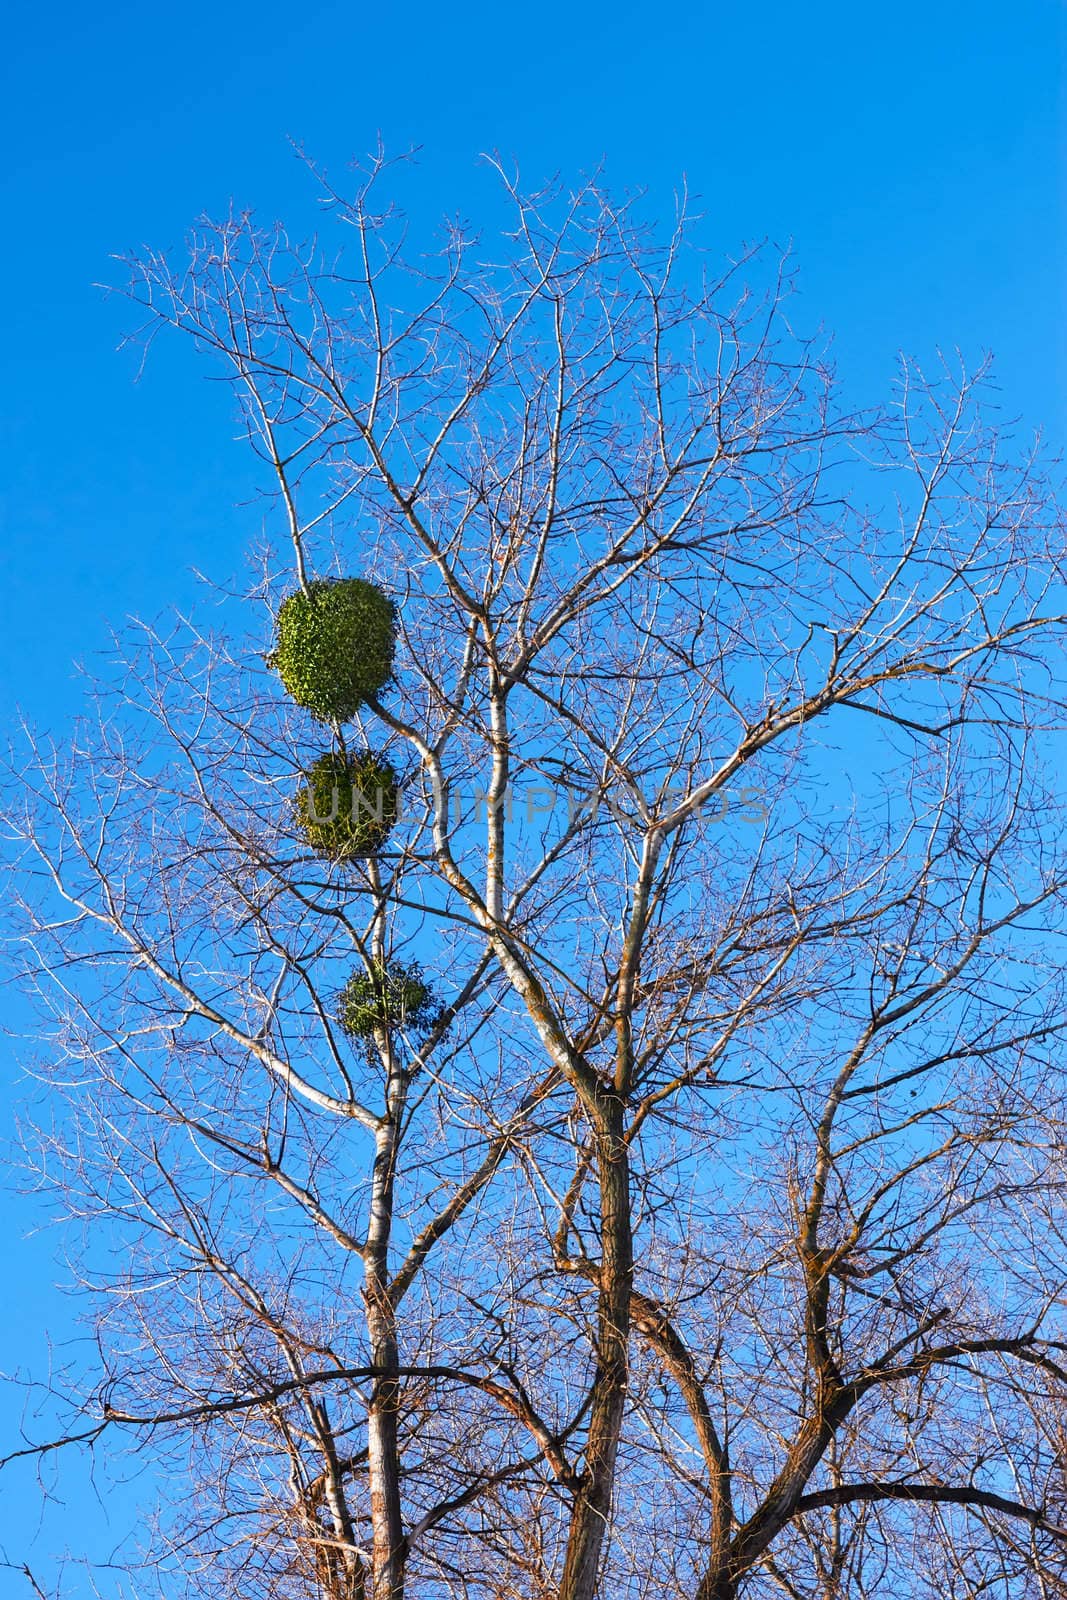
335 645
347 805
391 995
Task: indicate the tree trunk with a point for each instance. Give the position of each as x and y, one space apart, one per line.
383 1460
593 1509
383 1450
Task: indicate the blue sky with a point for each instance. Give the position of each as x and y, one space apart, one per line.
912 154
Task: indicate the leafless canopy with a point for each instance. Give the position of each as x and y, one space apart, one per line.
711 1242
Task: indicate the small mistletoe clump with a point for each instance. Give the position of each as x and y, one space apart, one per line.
388 996
347 808
335 646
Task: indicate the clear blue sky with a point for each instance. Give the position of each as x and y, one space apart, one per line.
913 154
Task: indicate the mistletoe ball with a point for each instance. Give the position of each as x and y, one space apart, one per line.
347 806
392 995
335 645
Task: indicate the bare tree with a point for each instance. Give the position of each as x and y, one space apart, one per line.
705 1237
